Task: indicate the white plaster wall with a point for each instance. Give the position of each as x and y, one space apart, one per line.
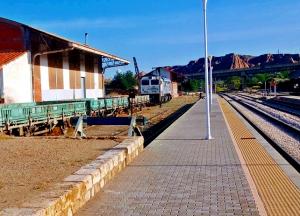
94 93
78 94
44 72
57 94
101 92
17 83
90 93
66 74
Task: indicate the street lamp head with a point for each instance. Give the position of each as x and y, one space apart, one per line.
204 4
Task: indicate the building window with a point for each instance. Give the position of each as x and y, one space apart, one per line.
100 80
74 64
89 69
55 64
154 82
145 82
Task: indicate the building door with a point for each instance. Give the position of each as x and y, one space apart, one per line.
83 87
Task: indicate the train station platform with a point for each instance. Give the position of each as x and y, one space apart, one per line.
181 173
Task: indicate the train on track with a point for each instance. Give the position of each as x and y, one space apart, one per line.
158 88
29 118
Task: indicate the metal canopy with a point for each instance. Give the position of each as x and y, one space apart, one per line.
110 62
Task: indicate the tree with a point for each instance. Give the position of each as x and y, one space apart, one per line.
263 78
219 86
234 82
192 85
253 81
123 81
282 76
280 79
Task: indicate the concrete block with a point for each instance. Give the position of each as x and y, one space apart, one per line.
103 170
87 195
51 206
115 159
102 183
85 179
108 161
93 165
22 212
96 188
95 173
76 192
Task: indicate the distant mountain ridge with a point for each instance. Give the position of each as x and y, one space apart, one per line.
235 61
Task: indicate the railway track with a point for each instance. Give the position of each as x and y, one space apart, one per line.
283 137
275 104
289 120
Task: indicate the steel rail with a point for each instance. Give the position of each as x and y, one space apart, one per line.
285 107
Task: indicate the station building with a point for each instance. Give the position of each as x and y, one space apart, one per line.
38 66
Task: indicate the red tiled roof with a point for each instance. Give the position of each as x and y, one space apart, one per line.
8 56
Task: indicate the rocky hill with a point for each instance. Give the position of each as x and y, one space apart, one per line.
234 61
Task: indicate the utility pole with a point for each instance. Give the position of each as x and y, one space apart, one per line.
215 85
265 88
208 131
137 74
85 38
210 80
160 103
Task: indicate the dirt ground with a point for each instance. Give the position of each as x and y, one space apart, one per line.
104 131
156 113
31 165
107 130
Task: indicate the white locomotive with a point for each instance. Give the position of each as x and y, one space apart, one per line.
158 88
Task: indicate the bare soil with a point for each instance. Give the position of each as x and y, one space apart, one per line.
31 165
156 114
106 130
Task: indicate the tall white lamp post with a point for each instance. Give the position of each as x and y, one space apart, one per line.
208 132
210 79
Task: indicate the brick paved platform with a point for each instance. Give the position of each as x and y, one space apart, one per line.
180 173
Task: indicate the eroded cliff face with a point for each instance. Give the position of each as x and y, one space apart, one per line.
234 61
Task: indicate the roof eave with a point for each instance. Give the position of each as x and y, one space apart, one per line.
98 52
74 44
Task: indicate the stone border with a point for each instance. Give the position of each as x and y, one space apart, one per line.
66 197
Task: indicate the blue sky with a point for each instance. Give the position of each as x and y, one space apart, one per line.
166 32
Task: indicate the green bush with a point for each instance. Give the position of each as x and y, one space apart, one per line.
123 81
233 83
192 85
